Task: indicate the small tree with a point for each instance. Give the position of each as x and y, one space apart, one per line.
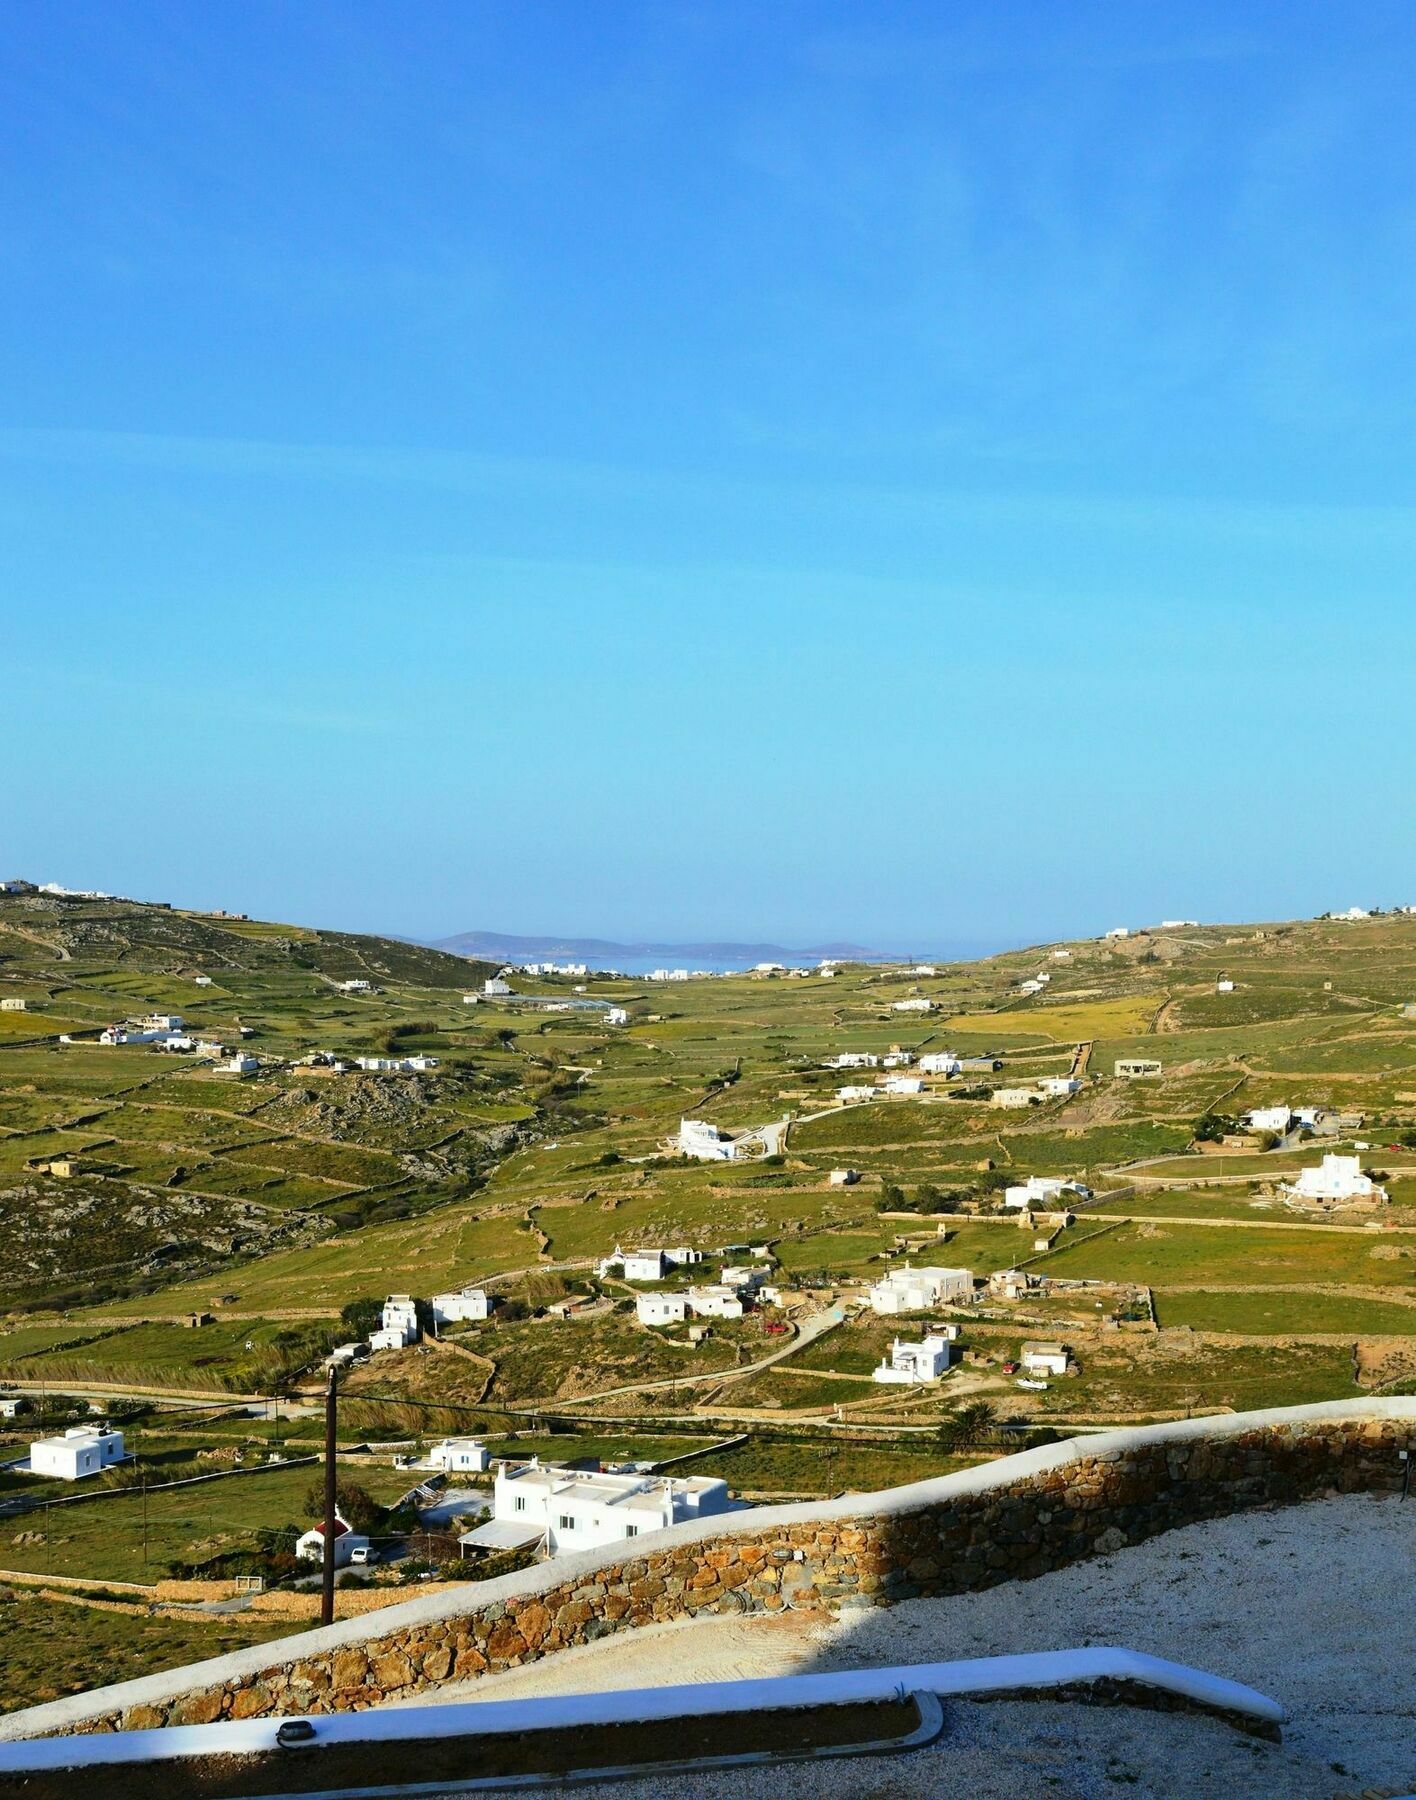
356 1505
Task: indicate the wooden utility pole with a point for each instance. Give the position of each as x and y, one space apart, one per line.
327 1593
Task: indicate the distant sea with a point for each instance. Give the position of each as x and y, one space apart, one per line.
722 964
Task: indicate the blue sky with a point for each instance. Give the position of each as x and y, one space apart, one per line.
919 474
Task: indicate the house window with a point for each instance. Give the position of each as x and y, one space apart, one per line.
566 1523
631 1531
521 1503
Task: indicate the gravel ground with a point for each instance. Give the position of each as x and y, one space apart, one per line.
1311 1604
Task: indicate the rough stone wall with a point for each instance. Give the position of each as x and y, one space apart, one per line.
1096 1501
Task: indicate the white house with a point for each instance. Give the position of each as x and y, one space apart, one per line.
1037 1190
921 1005
579 1509
916 1290
707 1142
400 1314
238 1065
1135 1068
1061 956
843 1177
939 1062
909 1363
1335 1178
467 1303
1045 1359
1119 931
1224 986
1269 1118
853 1059
471 999
717 1302
14 1005
310 1547
1006 1096
647 1265
855 1092
616 1015
660 1309
464 1455
495 988
388 1337
1059 1087
903 1084
83 1450
1031 986
897 1059
357 985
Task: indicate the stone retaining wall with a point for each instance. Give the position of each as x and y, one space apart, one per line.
1016 1519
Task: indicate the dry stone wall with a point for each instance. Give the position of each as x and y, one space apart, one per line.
1015 1520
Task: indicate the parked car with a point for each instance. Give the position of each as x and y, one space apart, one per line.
363 1554
1010 1368
1026 1381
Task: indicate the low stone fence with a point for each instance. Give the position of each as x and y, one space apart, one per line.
1014 1519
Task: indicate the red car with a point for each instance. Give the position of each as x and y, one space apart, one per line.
1010 1368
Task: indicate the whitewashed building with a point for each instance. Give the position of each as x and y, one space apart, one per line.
1135 1068
1036 1191
916 1290
903 1084
1336 1178
705 1141
660 1309
716 1302
853 1059
467 1303
908 1364
616 1015
1045 1359
461 1455
920 1005
83 1450
1012 1096
843 1177
495 988
310 1547
578 1509
355 986
939 1062
853 1092
1059 1087
1269 1118
400 1315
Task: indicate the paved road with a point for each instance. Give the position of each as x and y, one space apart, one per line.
808 1333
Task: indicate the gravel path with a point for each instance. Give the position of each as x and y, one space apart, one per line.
1312 1604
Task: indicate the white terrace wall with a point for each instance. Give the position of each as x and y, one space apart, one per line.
1010 1520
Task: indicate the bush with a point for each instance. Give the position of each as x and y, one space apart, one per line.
356 1504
